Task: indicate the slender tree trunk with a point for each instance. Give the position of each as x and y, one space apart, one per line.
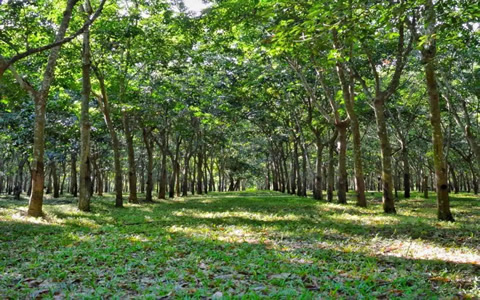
64 173
163 176
50 181
425 186
386 153
200 171
173 177
342 162
331 168
84 199
284 157
317 191
406 172
149 147
193 181
185 175
177 181
19 180
348 89
267 177
454 179
38 173
56 181
440 165
357 158
40 101
304 170
74 186
293 184
142 175
297 168
105 108
132 171
274 174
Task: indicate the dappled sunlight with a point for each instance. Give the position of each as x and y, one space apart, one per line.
230 234
419 249
373 220
247 215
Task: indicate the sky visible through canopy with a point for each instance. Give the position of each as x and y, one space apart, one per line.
196 5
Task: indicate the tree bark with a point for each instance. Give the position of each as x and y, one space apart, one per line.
132 169
185 174
318 188
386 155
149 146
348 89
440 165
105 108
163 176
73 179
199 171
84 199
40 101
331 167
406 171
19 179
342 161
454 179
56 181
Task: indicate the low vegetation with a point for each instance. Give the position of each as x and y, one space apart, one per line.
248 244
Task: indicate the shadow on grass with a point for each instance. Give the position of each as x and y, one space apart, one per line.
152 260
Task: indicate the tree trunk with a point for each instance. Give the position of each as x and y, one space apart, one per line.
200 171
348 89
297 167
342 161
386 155
318 188
173 177
50 181
19 180
105 108
40 101
193 181
142 175
149 146
38 172
64 173
163 176
428 56
406 171
185 175
132 171
331 168
84 199
304 170
73 179
56 181
454 179
425 186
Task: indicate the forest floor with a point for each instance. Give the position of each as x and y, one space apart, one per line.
247 244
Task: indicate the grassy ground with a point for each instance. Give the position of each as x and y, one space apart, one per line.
250 244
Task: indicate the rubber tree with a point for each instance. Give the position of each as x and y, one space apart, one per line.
85 181
428 51
39 97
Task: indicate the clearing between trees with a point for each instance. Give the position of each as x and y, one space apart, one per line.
248 244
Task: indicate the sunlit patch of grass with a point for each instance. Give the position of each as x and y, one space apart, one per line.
247 215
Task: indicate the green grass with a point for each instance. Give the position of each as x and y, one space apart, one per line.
245 245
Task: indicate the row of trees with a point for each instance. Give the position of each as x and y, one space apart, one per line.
279 95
